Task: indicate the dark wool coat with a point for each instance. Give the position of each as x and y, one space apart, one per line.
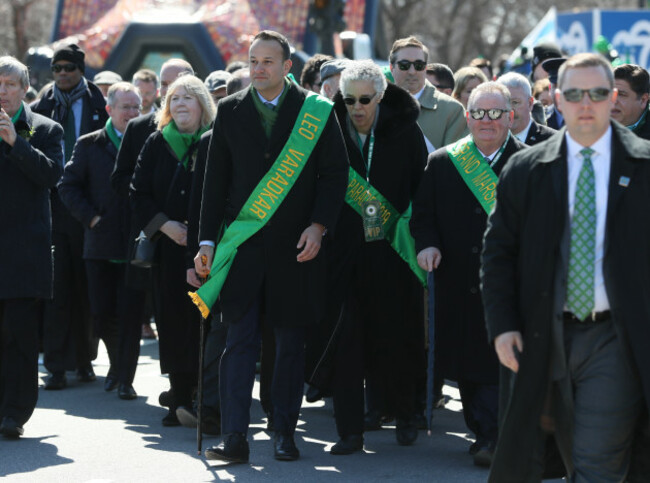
160 192
86 191
369 280
522 244
240 155
27 171
446 215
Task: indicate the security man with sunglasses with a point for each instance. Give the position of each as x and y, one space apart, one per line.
565 279
442 119
449 218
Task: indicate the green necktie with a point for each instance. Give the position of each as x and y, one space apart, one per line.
70 134
582 256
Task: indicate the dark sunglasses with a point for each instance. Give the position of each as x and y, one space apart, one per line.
56 68
439 87
365 100
418 65
493 114
596 94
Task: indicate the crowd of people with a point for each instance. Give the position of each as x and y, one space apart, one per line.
308 218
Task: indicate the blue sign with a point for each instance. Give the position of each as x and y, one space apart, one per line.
629 34
574 32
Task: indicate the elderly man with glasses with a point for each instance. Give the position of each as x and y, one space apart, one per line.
449 218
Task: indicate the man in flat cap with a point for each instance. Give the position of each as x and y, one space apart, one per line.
330 74
216 84
105 79
79 106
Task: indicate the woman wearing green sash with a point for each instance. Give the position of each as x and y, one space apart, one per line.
380 333
160 192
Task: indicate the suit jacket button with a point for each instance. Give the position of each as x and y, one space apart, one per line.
478 210
473 290
474 249
182 192
267 155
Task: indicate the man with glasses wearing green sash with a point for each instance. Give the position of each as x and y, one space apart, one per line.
566 279
449 217
275 180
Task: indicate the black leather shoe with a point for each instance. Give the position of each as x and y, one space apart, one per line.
170 419
10 429
86 374
285 448
420 421
166 399
110 383
126 392
56 381
484 454
406 432
187 416
234 449
348 444
313 394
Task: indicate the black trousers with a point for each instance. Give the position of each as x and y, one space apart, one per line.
480 408
215 344
238 373
18 358
117 314
68 339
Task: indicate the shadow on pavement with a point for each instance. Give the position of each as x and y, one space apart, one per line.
42 455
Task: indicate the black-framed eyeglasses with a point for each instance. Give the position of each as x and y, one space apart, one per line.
493 114
596 94
418 65
56 68
365 100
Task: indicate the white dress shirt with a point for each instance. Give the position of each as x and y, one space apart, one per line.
601 161
524 133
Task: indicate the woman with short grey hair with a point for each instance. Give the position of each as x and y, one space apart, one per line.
374 290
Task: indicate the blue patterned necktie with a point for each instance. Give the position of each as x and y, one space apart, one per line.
270 105
582 256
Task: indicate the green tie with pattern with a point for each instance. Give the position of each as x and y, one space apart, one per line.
582 256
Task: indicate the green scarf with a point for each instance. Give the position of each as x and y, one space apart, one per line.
15 117
180 142
112 134
268 116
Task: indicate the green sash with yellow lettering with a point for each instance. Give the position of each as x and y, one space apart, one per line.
395 225
476 173
267 196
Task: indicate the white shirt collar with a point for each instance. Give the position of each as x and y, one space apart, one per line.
274 101
419 93
524 133
602 145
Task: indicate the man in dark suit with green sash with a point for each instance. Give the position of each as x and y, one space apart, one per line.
276 176
449 217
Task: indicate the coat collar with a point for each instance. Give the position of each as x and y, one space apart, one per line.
246 111
430 96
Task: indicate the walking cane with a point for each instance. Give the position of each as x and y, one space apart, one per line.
199 392
431 353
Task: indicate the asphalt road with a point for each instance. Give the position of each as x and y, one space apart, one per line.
82 434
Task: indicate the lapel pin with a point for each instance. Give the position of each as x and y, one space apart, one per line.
624 181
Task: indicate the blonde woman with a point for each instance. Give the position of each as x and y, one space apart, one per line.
466 79
160 192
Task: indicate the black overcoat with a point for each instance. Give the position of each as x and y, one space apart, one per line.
86 191
446 215
240 155
160 191
521 246
28 170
